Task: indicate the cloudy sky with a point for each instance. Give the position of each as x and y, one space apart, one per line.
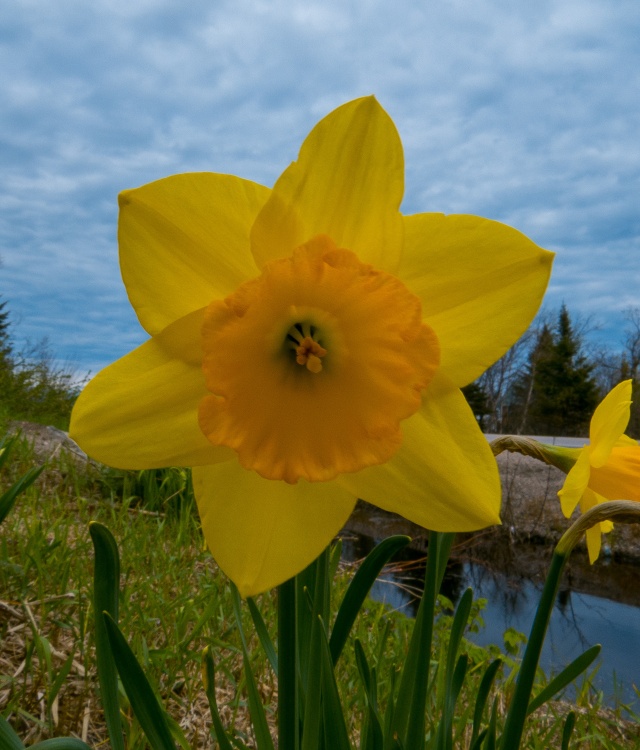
528 113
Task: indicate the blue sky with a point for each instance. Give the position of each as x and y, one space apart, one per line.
528 113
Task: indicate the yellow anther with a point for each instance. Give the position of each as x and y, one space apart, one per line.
309 353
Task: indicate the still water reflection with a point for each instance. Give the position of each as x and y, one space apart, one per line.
579 620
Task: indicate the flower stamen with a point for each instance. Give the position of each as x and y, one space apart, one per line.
302 339
309 353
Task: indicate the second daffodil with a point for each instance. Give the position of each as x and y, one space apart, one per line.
608 468
307 348
605 468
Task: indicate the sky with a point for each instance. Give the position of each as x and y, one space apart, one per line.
527 113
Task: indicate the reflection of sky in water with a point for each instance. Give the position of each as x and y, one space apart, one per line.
578 621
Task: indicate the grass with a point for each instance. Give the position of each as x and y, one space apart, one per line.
174 603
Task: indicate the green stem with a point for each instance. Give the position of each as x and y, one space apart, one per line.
288 735
409 715
517 713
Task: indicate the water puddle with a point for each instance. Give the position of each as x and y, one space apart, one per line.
590 607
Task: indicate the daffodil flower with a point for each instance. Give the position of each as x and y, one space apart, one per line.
606 468
307 348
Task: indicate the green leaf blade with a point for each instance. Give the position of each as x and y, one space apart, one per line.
358 589
8 499
210 689
142 698
106 586
567 676
9 740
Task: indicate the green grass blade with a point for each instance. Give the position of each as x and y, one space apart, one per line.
453 669
258 716
491 741
312 703
177 732
517 712
6 448
363 666
263 635
453 686
444 551
481 698
210 689
567 730
288 706
335 555
374 736
358 589
59 680
61 743
388 724
8 499
409 713
204 618
9 740
568 675
458 627
335 728
312 661
477 743
459 673
143 701
106 584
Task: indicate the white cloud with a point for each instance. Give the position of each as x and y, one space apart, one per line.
526 113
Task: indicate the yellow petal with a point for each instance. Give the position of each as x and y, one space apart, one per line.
609 421
184 241
141 412
347 183
575 483
626 440
594 534
444 477
262 532
480 283
594 542
619 478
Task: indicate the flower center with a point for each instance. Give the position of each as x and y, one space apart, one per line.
303 340
319 312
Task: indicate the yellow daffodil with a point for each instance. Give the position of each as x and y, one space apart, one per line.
307 348
607 468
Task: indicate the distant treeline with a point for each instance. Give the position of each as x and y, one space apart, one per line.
33 386
551 380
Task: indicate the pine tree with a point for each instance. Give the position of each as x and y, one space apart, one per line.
563 391
523 396
6 359
631 366
5 341
477 400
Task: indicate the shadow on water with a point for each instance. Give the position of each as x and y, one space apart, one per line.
590 607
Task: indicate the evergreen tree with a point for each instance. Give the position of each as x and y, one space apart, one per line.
477 400
563 391
522 395
5 341
631 366
6 360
